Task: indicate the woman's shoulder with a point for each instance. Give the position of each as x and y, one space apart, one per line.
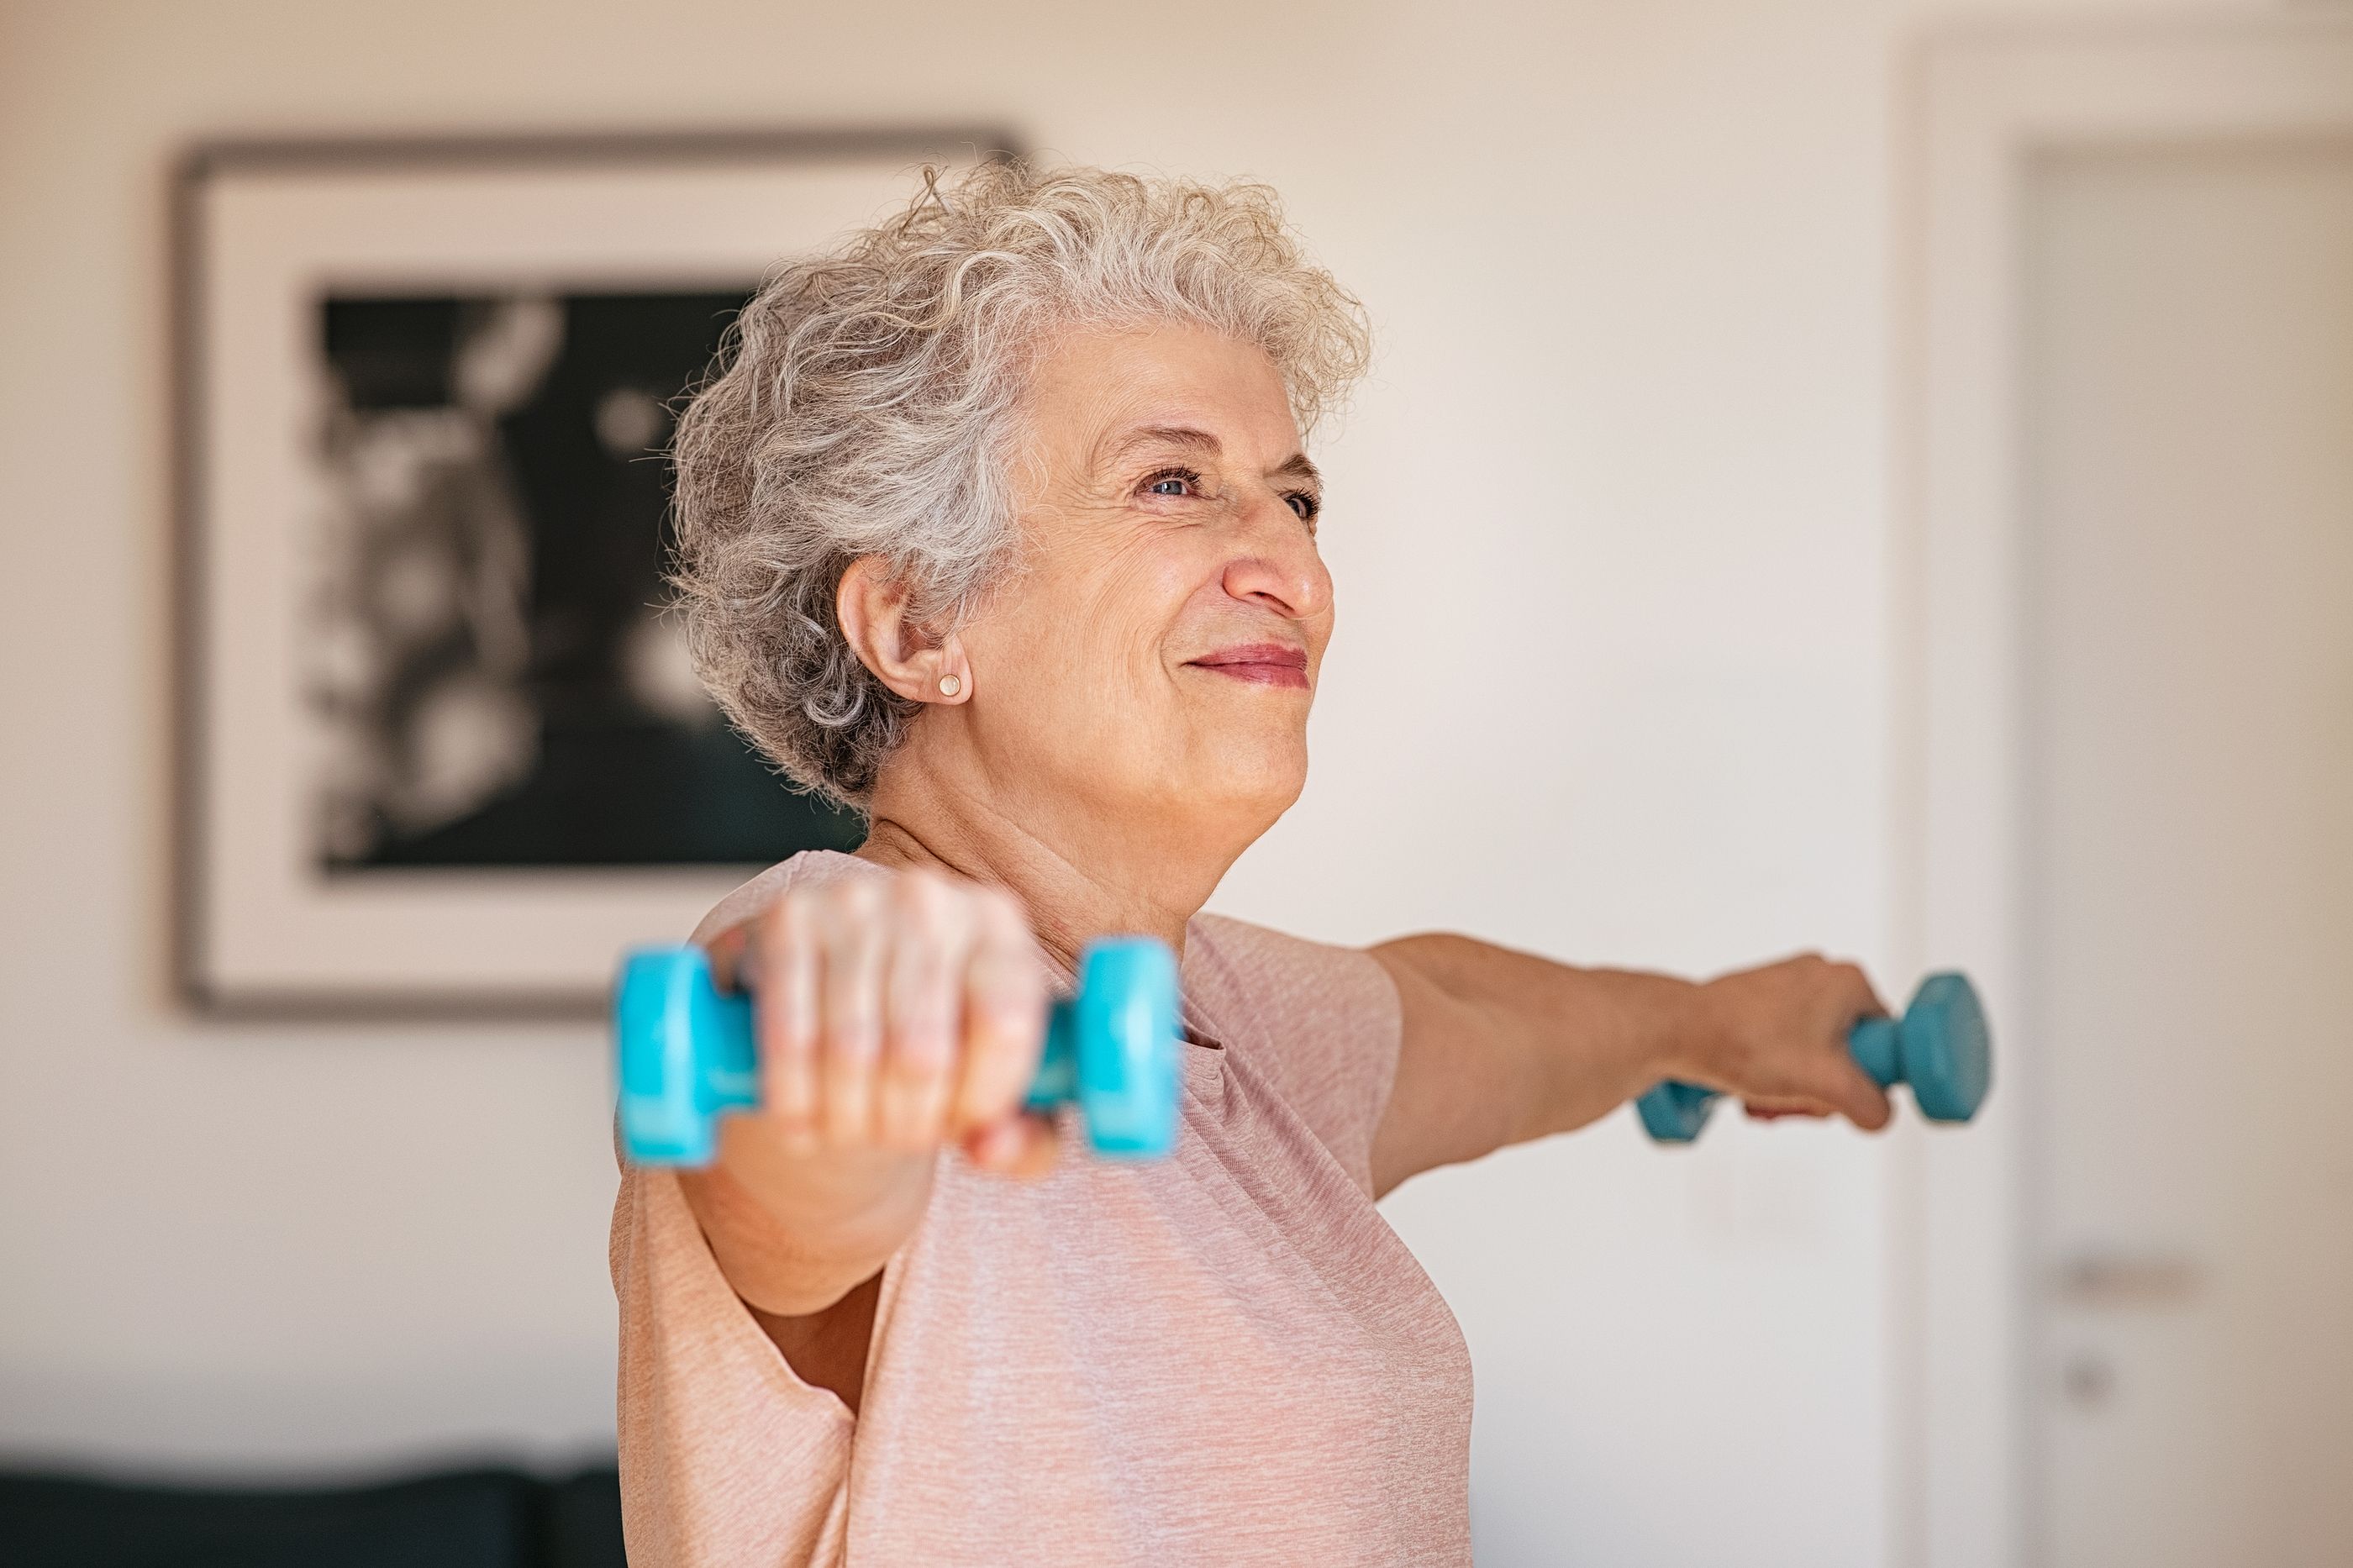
1320 1022
808 868
1271 972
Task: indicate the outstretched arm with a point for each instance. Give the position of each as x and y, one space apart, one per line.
1502 1047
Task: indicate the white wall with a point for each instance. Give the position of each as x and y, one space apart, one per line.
1611 530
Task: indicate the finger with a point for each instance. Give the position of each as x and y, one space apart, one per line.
852 937
922 996
732 966
1848 1090
783 969
1004 1018
1859 1099
1772 1108
1023 1146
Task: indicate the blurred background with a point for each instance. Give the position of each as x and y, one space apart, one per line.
1643 605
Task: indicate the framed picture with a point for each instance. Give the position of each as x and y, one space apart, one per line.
441 748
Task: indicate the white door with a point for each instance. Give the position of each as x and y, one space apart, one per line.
2189 350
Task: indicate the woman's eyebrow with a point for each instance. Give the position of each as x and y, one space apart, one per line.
1294 467
1297 467
1165 436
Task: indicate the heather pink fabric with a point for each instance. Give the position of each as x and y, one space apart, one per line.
1222 1358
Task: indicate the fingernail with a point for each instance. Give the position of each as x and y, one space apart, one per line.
999 1144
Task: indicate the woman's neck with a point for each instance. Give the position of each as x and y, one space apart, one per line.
1074 887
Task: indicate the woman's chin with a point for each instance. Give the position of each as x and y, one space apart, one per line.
1258 784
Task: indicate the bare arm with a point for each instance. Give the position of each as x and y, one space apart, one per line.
1499 1047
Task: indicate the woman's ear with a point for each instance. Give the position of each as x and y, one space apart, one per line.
872 606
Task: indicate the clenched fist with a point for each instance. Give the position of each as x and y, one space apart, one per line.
896 1012
1776 1037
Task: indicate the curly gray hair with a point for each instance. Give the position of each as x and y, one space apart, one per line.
869 406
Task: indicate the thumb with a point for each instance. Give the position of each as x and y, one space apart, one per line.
1850 1089
1022 1145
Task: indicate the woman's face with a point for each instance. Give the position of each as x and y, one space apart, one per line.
1152 659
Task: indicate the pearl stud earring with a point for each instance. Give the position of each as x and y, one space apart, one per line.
951 685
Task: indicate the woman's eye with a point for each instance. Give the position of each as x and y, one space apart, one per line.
1304 505
1177 483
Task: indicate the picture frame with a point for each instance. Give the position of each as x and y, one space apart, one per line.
439 750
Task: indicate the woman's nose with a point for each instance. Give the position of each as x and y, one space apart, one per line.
1279 567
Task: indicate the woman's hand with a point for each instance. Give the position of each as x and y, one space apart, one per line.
1776 1037
894 1013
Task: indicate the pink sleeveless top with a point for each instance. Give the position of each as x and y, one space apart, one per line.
1226 1357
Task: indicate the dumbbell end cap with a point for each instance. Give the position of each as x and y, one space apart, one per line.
651 1135
1674 1113
1128 1069
659 1001
1146 1143
1947 1048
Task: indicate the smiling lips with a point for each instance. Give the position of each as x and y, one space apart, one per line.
1265 663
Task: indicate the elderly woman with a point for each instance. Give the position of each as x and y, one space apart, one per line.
1000 527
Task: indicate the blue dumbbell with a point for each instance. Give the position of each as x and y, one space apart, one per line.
1940 1046
685 1056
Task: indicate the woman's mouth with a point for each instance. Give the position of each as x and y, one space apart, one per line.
1263 663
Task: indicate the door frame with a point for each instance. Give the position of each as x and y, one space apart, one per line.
1983 104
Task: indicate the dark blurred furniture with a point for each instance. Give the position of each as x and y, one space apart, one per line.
476 1518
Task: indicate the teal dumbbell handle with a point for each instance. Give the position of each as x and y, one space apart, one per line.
1940 1046
685 1056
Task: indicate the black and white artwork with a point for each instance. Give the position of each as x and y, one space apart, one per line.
441 745
495 677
